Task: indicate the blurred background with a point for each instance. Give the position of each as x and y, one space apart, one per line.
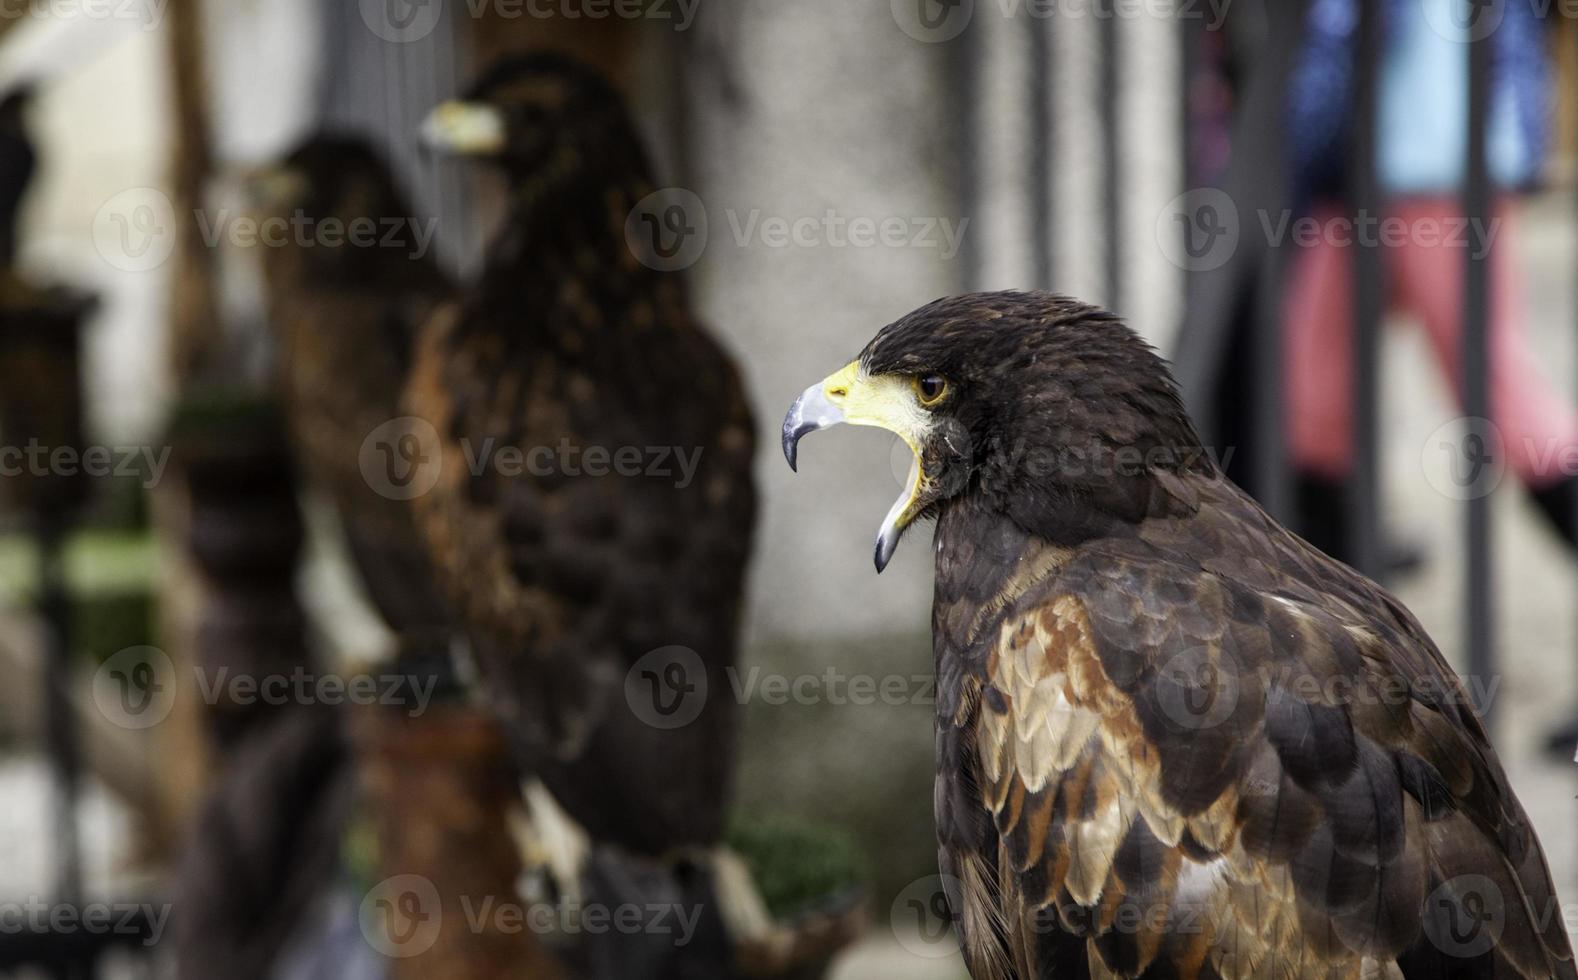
1351 224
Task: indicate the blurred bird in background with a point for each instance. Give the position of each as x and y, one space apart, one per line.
266 847
1174 739
346 319
568 345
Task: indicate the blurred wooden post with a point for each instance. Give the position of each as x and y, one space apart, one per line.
194 306
442 787
193 326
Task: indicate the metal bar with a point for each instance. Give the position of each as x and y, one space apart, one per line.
1572 30
1215 295
1112 148
1041 147
1369 286
1272 477
1270 473
1479 622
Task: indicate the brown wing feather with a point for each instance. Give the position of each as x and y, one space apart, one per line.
1206 750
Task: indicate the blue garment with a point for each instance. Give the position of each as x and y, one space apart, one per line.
1422 102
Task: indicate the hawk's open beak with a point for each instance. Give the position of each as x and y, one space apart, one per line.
885 401
464 128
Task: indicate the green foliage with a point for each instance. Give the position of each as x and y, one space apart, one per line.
798 865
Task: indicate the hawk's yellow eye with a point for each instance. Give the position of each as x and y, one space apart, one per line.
930 388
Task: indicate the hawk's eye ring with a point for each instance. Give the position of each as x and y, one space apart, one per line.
930 388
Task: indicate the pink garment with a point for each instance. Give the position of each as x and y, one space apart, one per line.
1423 278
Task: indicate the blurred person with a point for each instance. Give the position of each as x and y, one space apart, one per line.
1422 107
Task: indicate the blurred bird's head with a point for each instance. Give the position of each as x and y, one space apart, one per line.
538 115
328 175
1033 405
335 184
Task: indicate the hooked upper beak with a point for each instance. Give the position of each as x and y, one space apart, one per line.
464 128
813 410
850 395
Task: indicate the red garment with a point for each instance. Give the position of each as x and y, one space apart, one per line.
1424 279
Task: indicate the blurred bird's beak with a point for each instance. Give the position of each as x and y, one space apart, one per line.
273 187
885 401
464 128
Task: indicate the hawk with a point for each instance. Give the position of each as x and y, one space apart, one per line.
566 389
1173 739
350 278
